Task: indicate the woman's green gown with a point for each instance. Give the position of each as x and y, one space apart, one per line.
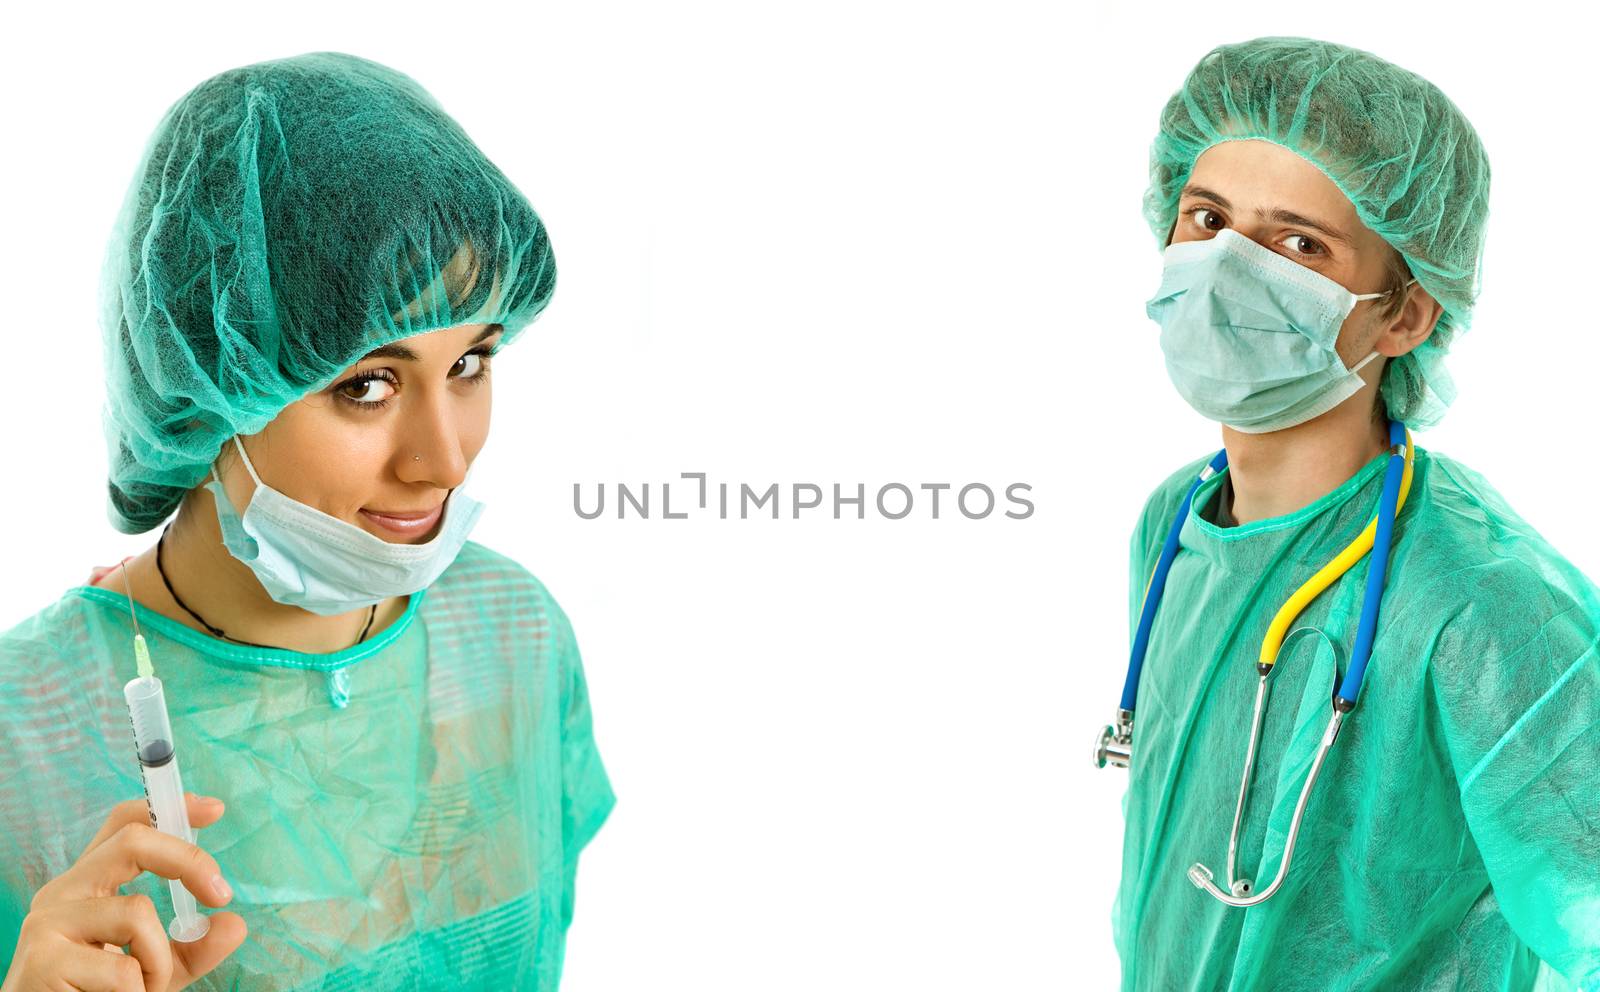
406 813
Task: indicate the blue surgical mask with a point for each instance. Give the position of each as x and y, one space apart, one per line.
1249 335
310 559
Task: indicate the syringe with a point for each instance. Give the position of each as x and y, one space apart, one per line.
158 764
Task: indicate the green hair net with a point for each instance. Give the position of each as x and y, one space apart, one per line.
286 218
1389 139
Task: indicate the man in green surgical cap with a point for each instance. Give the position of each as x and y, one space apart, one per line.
1321 214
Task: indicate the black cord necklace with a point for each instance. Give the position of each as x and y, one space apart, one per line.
217 631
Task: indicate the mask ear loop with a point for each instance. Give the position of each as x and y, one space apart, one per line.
1363 363
248 467
1373 296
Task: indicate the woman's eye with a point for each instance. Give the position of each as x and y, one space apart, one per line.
469 366
375 390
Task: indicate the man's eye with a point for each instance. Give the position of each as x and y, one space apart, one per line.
1208 219
1298 243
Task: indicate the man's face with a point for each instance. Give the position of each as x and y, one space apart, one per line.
1276 198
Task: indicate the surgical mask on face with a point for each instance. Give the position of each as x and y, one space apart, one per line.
310 559
1249 335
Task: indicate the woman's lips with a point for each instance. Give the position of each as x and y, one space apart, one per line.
407 524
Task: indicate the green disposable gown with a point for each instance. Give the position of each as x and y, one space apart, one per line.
405 813
1452 840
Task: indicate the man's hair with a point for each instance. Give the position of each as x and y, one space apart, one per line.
1396 274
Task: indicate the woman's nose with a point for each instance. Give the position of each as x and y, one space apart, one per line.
432 449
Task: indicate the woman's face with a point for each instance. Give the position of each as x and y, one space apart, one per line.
350 450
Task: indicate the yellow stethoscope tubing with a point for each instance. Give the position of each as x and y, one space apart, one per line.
1325 576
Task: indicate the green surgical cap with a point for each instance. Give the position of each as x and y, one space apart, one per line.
1389 139
285 219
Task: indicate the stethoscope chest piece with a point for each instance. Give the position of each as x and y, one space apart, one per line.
1113 745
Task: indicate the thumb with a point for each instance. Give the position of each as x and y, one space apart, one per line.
196 958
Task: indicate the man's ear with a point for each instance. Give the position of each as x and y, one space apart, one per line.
1412 325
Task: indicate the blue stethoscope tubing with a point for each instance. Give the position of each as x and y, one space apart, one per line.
1377 573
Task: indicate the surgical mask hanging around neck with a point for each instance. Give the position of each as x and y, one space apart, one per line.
1248 335
307 558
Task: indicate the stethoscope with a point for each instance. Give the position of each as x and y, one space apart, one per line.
1114 744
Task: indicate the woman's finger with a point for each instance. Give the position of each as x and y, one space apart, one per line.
161 963
203 811
118 920
87 967
135 848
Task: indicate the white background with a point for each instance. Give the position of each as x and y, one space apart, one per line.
821 242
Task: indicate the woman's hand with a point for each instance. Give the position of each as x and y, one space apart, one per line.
76 925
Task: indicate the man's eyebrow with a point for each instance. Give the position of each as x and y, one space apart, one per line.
397 350
1278 214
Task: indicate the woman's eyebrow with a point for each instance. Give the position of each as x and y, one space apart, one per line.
1278 214
397 350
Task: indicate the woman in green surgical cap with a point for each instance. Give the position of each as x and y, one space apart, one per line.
1321 214
311 273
